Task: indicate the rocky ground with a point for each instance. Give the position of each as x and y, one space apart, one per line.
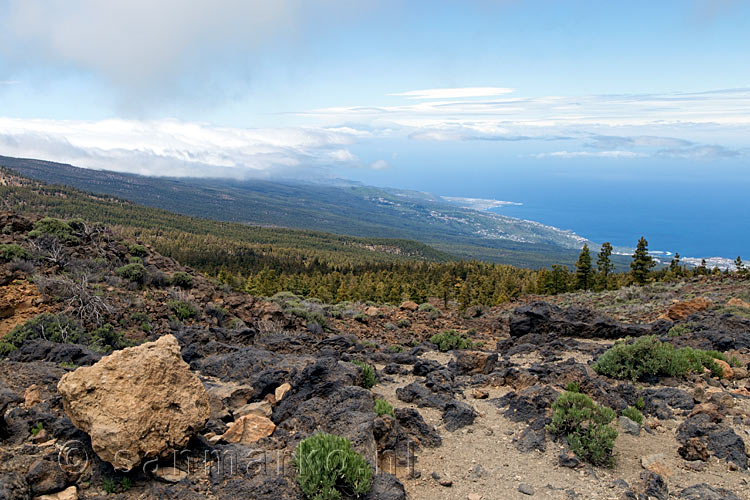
214 405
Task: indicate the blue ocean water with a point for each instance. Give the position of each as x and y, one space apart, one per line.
696 216
697 207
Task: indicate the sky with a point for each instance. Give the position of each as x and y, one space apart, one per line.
417 94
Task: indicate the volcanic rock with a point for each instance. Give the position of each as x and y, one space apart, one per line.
138 402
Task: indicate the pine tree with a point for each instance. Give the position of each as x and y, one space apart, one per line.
739 265
702 270
674 265
604 263
584 272
642 262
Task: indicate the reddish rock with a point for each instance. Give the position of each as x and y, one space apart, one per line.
681 310
409 306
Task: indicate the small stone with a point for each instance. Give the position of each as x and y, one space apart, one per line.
249 429
526 489
726 370
69 493
656 463
696 466
446 482
31 396
281 391
569 459
170 474
694 449
262 408
474 496
699 395
628 426
480 393
435 476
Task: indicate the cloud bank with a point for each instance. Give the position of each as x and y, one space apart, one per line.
704 126
176 148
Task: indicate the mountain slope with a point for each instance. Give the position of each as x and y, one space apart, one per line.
252 245
347 209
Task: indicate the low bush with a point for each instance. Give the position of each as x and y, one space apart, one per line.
63 329
403 323
586 426
383 407
329 468
182 280
14 252
427 307
182 309
648 356
450 340
368 375
134 272
680 329
633 414
137 250
53 227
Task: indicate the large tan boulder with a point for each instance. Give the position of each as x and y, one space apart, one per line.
135 403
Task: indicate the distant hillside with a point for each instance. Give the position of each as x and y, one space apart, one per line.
189 238
345 209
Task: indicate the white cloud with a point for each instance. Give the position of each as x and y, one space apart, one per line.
691 125
176 148
590 154
380 165
454 93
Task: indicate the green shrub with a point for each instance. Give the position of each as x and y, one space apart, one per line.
135 260
362 318
37 428
647 356
368 375
54 227
633 414
182 280
573 387
427 307
13 252
328 467
109 486
403 323
106 339
586 425
183 310
640 404
137 250
678 330
395 348
450 340
134 272
57 328
6 348
126 484
383 407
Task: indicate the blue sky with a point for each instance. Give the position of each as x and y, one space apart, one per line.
347 88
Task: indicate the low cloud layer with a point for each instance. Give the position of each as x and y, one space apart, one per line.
707 126
175 148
